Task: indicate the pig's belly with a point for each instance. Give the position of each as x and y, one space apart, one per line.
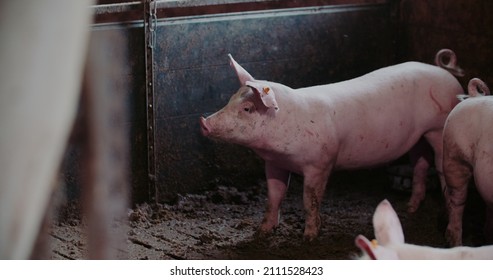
364 152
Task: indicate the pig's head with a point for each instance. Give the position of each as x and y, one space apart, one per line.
244 119
388 231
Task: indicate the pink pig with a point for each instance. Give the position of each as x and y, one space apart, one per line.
468 151
359 123
389 243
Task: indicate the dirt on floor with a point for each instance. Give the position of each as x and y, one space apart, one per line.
221 223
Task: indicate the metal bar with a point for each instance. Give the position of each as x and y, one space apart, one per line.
131 11
149 31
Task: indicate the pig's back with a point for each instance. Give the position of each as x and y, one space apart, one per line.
406 78
406 81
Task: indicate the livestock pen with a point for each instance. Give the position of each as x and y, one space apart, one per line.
193 198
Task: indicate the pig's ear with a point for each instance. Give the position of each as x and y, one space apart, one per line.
388 229
365 245
373 250
242 74
265 93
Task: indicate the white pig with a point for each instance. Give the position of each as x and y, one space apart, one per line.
389 243
468 151
359 123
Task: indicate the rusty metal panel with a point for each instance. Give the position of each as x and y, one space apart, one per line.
297 47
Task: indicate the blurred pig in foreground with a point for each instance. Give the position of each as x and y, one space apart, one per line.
43 53
390 244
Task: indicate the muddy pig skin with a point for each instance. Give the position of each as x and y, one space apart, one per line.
359 123
468 151
390 245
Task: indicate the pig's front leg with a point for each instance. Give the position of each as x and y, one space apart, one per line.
314 185
277 184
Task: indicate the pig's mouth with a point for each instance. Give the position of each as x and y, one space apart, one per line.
203 127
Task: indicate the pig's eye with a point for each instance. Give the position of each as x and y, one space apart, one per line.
249 109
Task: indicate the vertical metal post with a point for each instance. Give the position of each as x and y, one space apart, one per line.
150 22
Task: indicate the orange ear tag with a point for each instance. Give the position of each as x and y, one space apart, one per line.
266 90
374 243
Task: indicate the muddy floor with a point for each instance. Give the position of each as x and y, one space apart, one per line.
221 223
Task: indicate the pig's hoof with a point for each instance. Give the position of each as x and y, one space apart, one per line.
261 234
412 207
452 239
264 233
310 240
310 237
312 228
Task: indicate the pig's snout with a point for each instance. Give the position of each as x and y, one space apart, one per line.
203 126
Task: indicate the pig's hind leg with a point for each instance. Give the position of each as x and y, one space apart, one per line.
435 139
421 158
457 175
277 185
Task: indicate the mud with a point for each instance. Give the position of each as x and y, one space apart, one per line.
221 223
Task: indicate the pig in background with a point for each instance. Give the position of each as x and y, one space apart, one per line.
390 243
359 123
468 152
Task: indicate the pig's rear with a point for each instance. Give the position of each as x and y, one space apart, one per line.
468 153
